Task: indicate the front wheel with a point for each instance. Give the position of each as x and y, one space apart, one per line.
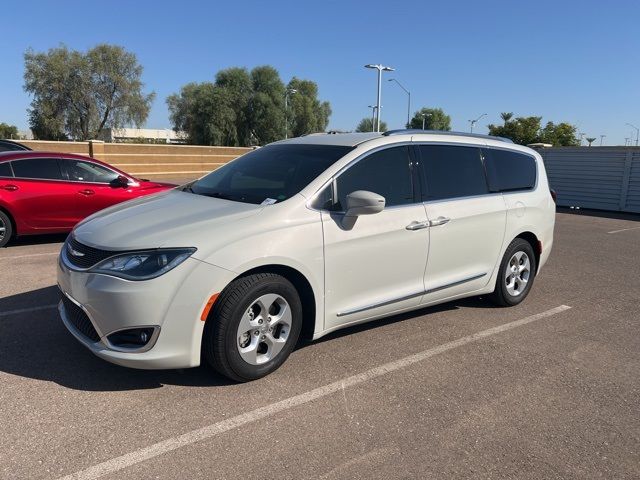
253 327
516 275
6 229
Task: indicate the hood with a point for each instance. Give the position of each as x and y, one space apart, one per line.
169 219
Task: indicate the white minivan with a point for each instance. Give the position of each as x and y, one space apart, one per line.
304 237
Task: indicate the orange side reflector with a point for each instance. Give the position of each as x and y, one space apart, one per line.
207 308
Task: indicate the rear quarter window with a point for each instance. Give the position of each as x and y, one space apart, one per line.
509 171
5 170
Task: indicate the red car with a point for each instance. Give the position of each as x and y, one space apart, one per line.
44 192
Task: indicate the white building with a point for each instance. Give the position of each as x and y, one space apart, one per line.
151 135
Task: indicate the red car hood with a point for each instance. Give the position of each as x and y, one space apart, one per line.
149 185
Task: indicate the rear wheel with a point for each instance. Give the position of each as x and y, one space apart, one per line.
6 229
516 275
253 327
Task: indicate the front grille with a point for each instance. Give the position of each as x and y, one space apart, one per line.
79 319
88 257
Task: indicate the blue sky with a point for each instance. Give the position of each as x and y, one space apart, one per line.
576 61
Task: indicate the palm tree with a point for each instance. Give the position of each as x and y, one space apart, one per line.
506 116
590 140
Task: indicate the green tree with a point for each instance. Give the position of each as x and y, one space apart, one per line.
506 116
366 125
562 134
206 112
246 108
306 114
8 131
522 130
79 94
434 119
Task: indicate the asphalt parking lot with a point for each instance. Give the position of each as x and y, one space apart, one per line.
462 390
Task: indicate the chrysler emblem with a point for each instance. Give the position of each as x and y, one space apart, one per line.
73 252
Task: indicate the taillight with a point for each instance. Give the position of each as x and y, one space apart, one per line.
554 195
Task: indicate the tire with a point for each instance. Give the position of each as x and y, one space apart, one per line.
265 303
514 283
6 229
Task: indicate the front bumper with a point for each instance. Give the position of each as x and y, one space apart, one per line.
171 303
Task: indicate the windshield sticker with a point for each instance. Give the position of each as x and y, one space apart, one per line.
268 201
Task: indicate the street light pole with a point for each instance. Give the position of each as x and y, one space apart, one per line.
582 134
286 107
373 117
601 137
409 99
380 69
637 132
473 122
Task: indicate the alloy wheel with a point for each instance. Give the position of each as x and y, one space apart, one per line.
264 329
517 272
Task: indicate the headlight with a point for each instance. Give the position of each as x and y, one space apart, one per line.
143 265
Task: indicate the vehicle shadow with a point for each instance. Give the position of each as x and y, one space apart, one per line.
632 217
37 239
36 345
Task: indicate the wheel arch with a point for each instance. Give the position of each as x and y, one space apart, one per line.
8 213
534 241
303 287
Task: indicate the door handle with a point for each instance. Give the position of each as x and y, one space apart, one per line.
417 225
439 221
9 188
86 192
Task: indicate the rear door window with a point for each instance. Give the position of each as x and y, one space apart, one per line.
5 170
451 171
509 171
39 168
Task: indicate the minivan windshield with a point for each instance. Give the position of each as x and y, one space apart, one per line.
269 174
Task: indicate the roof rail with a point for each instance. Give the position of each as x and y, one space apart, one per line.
416 131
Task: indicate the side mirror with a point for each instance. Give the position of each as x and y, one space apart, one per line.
120 182
362 202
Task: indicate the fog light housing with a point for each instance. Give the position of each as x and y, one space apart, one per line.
133 339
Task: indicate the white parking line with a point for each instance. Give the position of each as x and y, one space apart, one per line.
624 230
29 255
27 310
174 443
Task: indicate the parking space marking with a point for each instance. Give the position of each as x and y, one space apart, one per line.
29 255
129 459
27 310
624 230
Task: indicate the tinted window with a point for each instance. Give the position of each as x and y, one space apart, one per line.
45 168
386 173
269 174
5 170
81 171
452 171
509 170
